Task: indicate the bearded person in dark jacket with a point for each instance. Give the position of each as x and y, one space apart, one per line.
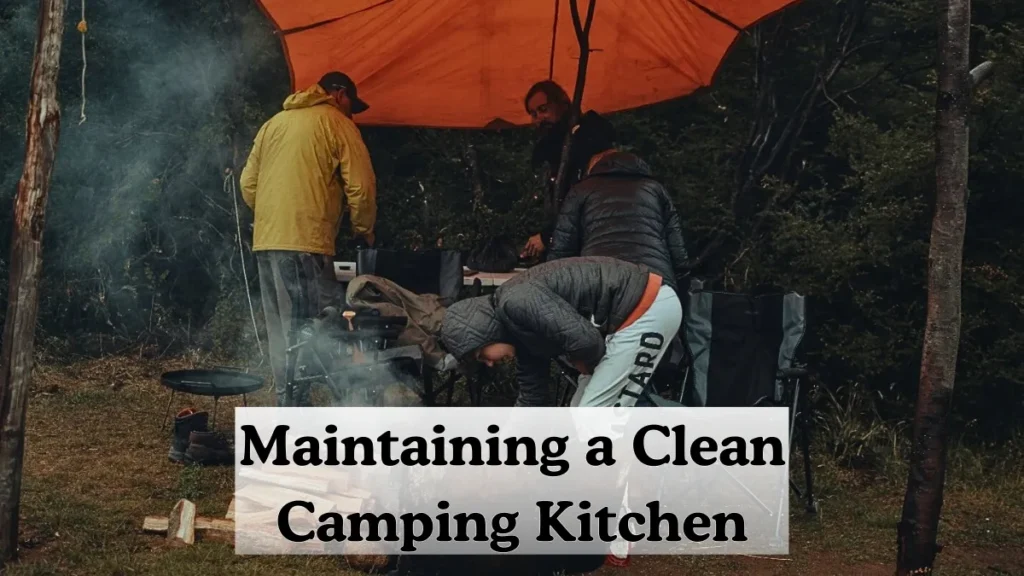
619 210
549 108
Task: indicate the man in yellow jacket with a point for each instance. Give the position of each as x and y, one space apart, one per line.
306 163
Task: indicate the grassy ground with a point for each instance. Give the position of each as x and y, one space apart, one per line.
96 465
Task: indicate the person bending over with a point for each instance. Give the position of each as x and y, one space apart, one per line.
613 320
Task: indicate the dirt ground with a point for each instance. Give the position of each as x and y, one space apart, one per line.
96 465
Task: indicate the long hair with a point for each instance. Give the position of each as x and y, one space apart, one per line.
555 93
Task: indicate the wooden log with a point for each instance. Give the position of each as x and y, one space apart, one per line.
347 504
259 500
274 497
154 525
215 524
42 132
357 493
160 524
300 483
181 524
339 479
298 519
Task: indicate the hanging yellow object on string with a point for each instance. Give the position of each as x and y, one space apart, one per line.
83 28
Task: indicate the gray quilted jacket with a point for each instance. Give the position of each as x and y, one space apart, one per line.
564 307
620 210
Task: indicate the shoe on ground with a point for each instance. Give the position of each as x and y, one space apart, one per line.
209 449
185 423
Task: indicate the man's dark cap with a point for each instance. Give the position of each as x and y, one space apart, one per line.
336 81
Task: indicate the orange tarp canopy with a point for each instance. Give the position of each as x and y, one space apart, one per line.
469 63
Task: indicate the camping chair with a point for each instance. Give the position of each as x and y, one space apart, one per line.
742 352
354 352
428 272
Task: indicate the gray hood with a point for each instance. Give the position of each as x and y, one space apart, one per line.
468 325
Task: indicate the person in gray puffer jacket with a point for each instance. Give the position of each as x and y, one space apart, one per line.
611 319
620 210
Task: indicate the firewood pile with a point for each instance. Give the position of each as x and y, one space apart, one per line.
258 499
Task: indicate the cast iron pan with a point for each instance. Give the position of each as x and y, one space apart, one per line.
211 382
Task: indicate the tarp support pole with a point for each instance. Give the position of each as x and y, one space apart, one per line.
583 37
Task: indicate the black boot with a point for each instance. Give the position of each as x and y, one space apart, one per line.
209 449
186 422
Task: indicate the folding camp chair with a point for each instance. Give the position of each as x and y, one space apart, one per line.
427 272
742 352
355 352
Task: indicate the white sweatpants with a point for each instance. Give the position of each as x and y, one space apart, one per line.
631 355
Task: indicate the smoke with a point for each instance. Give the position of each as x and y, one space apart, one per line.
140 233
17 38
362 370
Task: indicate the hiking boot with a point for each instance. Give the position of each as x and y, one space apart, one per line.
185 423
209 449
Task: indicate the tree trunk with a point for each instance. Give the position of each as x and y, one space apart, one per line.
916 540
43 131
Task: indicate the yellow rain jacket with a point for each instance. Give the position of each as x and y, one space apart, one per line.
301 162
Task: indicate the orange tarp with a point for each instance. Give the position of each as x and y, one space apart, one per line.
469 63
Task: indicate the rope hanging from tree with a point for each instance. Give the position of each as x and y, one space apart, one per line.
83 28
229 188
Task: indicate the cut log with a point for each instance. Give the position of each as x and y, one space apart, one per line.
274 497
181 524
215 524
347 504
300 483
339 479
298 519
230 515
155 525
160 524
357 493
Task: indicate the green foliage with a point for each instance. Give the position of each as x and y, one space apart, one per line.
141 244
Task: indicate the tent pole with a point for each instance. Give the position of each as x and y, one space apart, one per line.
16 355
583 37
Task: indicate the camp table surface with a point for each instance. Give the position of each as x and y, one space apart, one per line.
346 271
